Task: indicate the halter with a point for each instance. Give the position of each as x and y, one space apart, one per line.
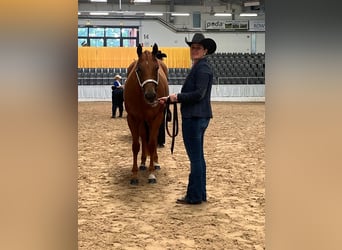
146 81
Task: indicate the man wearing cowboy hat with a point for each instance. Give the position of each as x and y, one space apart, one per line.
117 96
196 114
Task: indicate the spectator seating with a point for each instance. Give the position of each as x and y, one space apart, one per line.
228 68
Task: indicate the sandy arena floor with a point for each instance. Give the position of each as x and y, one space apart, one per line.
112 214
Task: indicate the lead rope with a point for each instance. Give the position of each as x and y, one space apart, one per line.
174 122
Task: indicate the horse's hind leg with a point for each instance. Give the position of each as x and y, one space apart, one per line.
135 149
155 162
144 149
143 159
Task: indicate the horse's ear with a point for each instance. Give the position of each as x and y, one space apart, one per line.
139 50
155 49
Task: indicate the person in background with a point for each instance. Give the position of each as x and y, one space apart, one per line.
161 133
196 113
117 96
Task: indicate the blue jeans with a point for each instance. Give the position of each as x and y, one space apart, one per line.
193 130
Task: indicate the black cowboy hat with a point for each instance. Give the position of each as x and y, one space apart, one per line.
160 55
207 43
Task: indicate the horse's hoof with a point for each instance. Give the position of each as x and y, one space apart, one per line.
134 181
157 167
142 167
152 181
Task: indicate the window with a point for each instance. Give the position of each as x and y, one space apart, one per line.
82 32
96 42
129 43
108 36
82 42
112 32
96 32
82 36
129 32
113 42
196 19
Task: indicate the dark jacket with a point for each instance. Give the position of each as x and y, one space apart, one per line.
196 91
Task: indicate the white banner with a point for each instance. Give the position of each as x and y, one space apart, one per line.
226 25
257 25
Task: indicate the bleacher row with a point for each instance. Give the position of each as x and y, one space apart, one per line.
100 76
228 68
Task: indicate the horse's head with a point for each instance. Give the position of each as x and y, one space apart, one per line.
147 73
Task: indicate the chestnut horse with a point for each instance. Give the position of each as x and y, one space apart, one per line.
146 82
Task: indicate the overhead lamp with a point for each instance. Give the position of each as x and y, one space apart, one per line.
153 14
180 14
248 14
98 13
222 14
141 1
98 1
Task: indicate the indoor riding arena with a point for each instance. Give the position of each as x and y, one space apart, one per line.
114 214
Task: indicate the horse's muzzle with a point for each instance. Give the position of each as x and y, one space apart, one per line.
150 97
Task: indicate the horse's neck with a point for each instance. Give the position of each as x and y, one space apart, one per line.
163 69
132 66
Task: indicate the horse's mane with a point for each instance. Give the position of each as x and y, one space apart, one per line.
131 66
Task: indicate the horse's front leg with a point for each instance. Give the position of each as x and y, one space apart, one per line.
152 146
135 149
143 134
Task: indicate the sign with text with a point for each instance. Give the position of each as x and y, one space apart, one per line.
257 25
226 25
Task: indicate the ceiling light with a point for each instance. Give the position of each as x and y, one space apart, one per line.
98 1
248 14
222 14
153 14
98 13
180 14
141 1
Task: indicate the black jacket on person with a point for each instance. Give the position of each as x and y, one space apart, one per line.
196 91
